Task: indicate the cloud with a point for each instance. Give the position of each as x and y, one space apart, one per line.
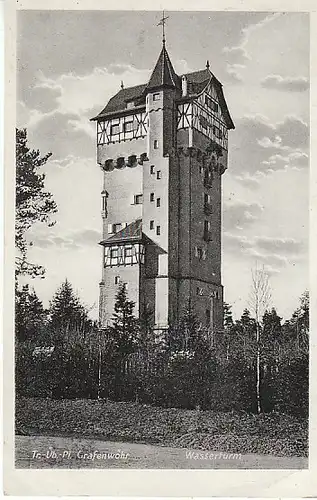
250 181
280 245
260 147
288 83
71 241
296 159
274 253
79 94
240 214
238 53
233 71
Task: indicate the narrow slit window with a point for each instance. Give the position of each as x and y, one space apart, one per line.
158 230
156 144
158 202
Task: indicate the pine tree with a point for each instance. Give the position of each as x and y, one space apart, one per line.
125 327
30 316
33 204
65 310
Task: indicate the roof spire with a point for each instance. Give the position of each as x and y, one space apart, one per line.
122 86
207 64
162 23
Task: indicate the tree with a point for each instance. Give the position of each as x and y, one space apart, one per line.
66 312
33 203
125 327
30 316
260 296
227 317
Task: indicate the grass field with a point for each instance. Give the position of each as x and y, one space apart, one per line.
271 434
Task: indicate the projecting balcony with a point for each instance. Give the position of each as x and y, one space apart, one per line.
207 235
208 208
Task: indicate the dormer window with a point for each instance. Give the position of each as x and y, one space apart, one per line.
211 104
156 97
130 105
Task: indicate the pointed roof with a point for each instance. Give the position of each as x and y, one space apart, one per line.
132 232
163 74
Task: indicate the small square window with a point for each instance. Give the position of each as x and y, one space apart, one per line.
116 228
115 129
116 280
158 202
158 230
152 169
159 174
156 97
128 251
114 253
156 144
128 126
151 224
151 196
138 199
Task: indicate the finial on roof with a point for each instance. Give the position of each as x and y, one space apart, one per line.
122 86
207 64
162 23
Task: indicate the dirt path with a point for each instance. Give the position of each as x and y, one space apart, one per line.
40 452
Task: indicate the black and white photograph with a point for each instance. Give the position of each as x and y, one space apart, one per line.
161 239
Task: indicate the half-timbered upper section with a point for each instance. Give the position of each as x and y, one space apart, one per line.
199 102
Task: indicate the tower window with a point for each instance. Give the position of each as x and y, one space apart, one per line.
158 202
156 97
211 104
158 230
156 144
159 174
128 255
152 169
138 199
203 122
114 253
116 280
207 226
207 317
115 129
151 224
128 126
217 132
199 291
151 196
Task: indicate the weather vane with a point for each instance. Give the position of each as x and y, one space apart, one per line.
162 23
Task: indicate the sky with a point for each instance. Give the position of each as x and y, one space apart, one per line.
70 63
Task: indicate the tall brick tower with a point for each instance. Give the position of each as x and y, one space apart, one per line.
163 147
